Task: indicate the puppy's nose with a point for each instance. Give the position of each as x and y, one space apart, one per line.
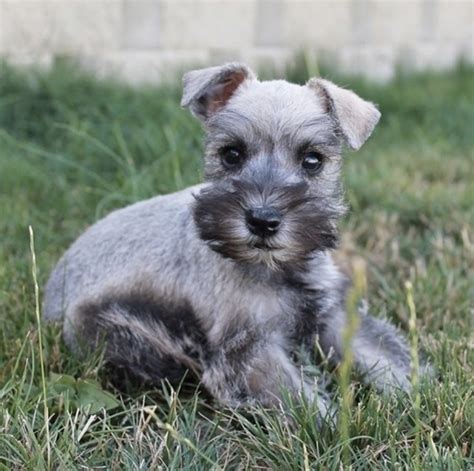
263 222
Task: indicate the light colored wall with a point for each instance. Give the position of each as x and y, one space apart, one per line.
142 40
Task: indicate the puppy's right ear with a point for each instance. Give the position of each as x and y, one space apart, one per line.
205 91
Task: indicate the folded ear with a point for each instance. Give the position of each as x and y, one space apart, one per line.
356 117
205 91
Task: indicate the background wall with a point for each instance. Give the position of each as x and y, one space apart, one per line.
142 40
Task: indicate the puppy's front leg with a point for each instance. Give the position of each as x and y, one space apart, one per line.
381 354
256 372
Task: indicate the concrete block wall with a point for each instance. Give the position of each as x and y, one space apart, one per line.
143 40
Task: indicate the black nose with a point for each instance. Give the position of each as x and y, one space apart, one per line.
263 222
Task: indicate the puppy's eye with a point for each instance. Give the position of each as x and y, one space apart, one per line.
312 162
231 157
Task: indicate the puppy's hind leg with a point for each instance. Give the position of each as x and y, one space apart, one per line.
145 340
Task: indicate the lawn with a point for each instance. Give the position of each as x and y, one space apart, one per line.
72 148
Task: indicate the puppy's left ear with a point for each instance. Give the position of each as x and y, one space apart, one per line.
356 117
206 91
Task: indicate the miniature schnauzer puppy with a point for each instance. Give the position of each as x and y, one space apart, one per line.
228 279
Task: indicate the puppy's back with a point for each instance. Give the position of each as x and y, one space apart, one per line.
127 242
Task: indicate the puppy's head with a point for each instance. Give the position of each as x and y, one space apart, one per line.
273 155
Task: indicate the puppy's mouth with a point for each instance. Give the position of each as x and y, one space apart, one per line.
262 244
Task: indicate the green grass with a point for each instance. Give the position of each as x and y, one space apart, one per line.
73 148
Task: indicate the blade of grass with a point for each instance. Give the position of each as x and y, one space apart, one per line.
414 371
352 324
40 344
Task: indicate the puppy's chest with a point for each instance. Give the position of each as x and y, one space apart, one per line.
259 309
292 311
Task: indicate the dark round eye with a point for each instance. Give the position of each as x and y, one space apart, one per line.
312 162
231 157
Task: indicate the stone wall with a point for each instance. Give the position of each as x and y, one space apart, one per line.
142 40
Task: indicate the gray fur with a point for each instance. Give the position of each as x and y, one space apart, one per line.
179 281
